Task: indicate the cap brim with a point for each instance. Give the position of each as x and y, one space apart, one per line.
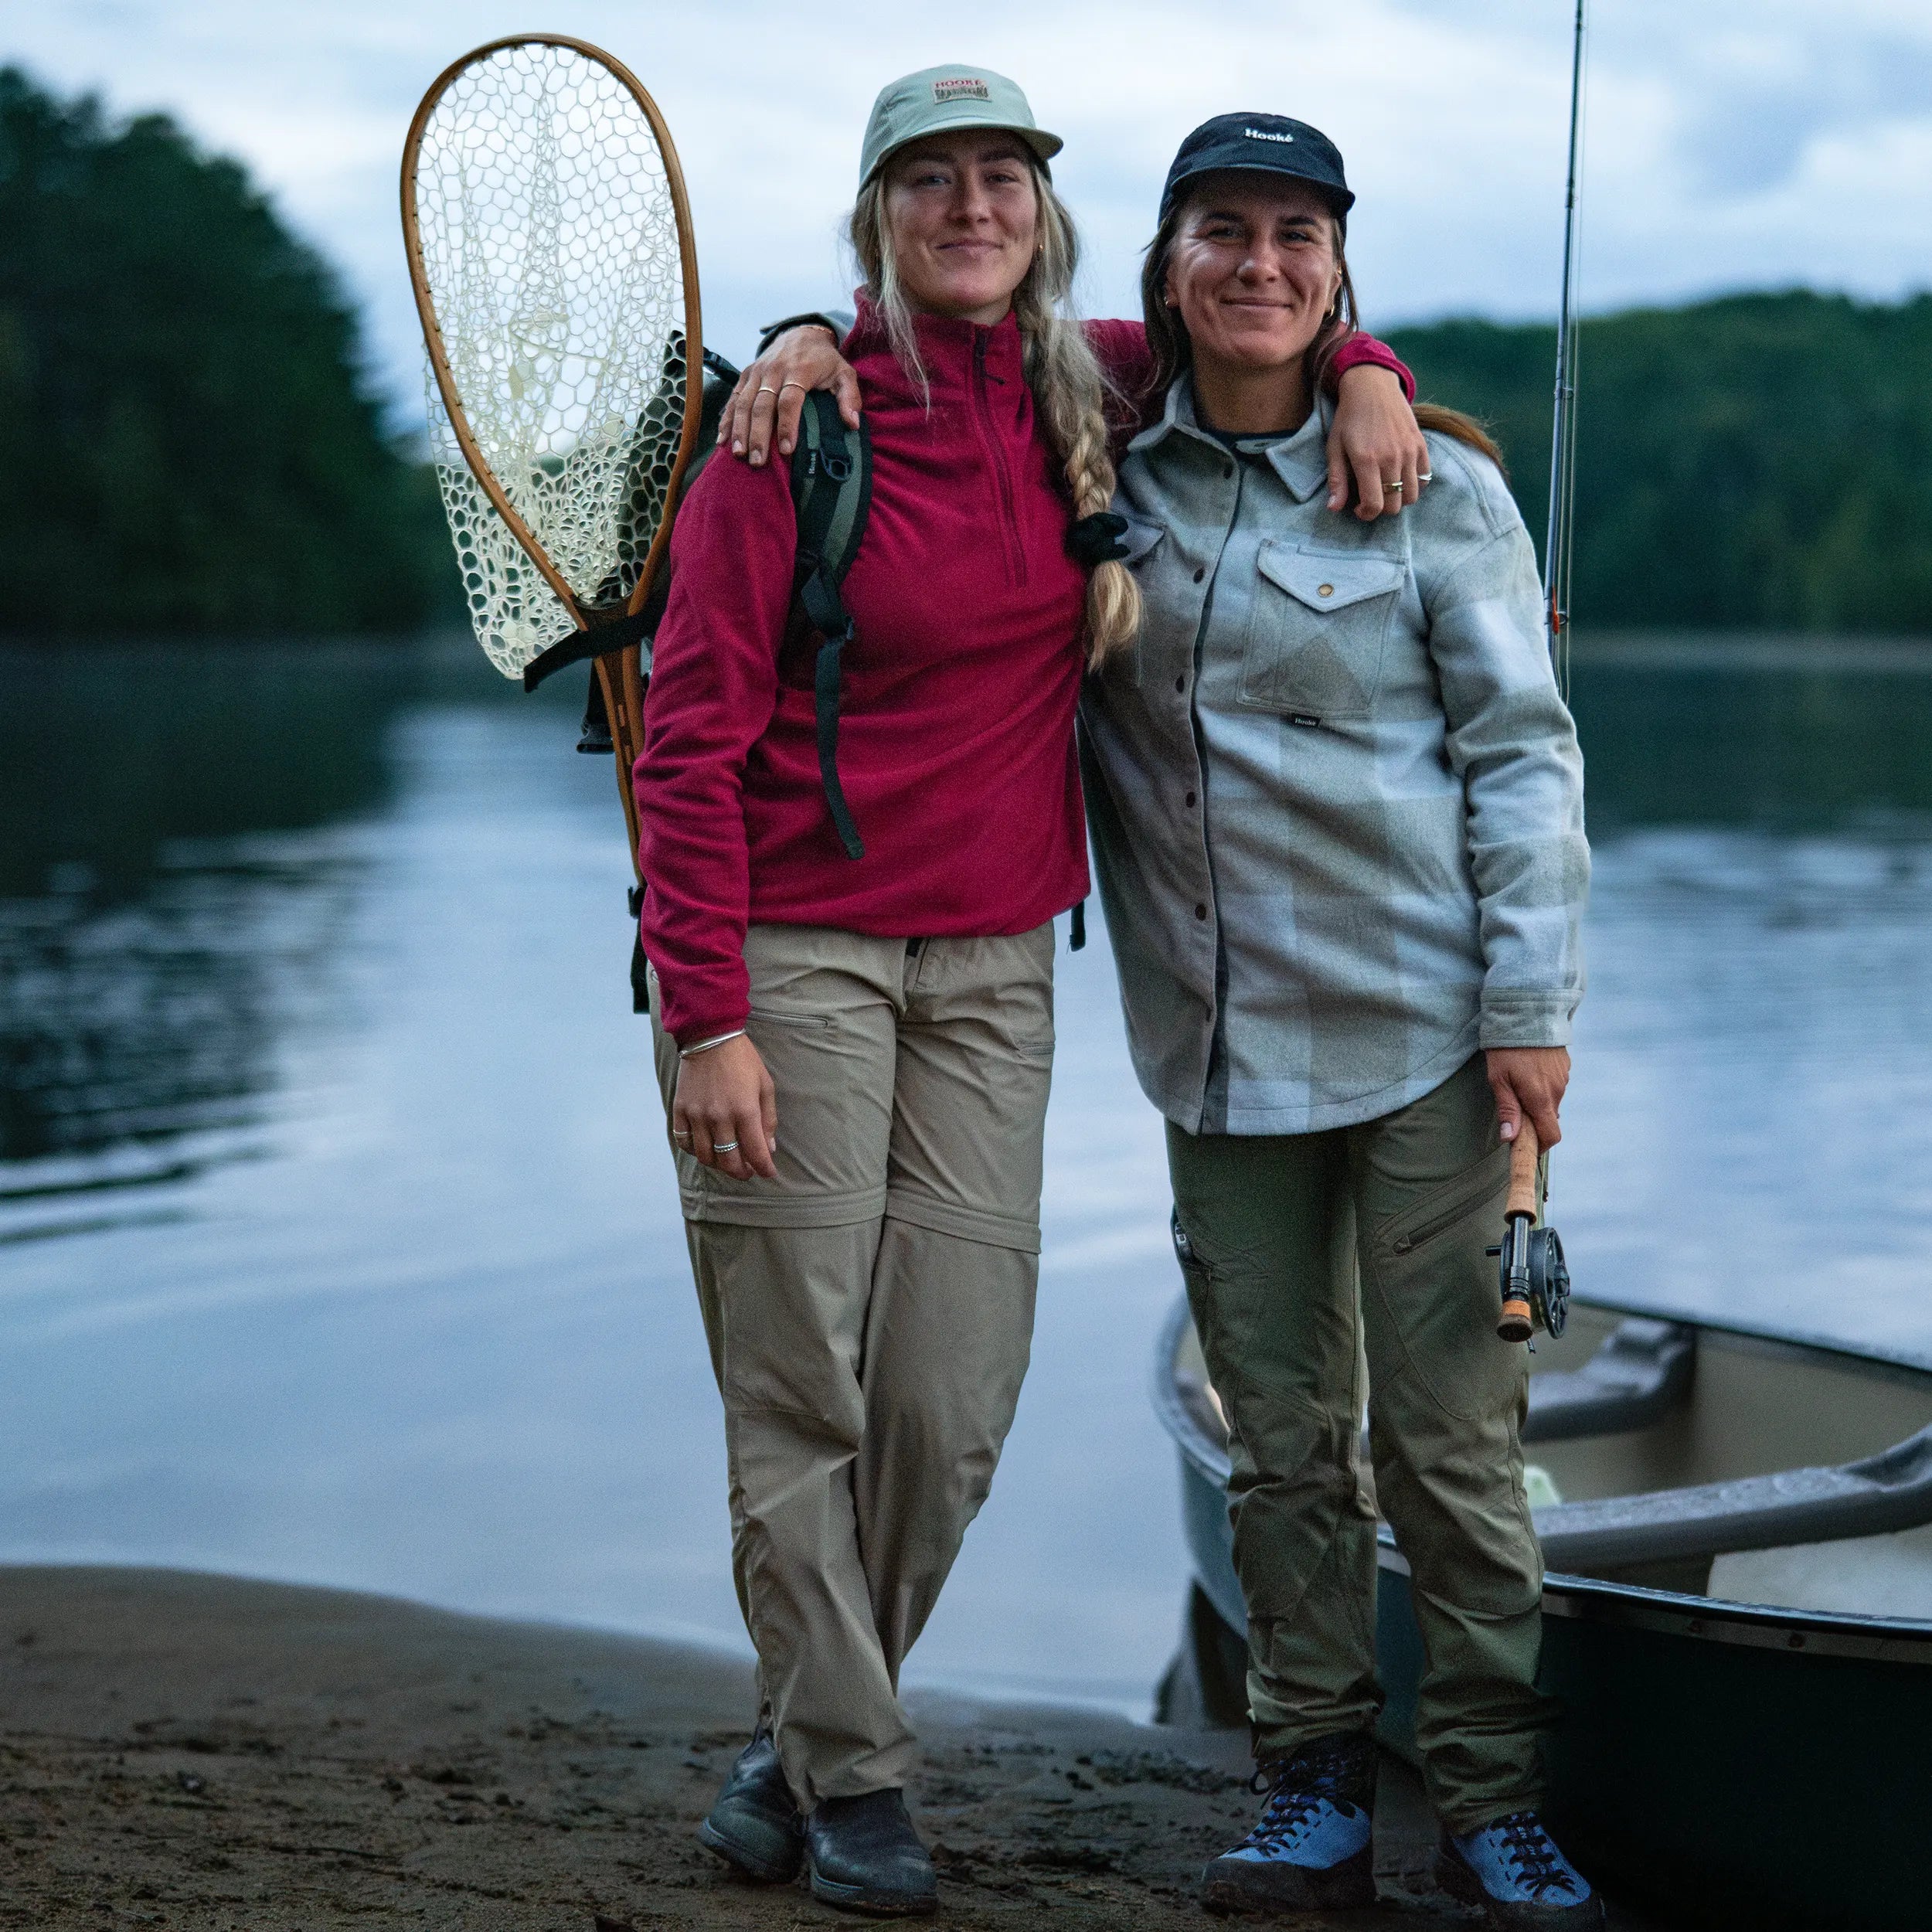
1339 199
1044 145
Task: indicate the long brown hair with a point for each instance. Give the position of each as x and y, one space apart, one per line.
1173 351
1069 389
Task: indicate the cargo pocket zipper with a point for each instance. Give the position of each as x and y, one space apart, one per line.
1447 1218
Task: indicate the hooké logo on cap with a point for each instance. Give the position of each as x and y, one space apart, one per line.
959 87
1262 134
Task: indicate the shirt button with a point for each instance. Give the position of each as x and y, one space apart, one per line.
1190 798
1324 590
1200 912
1227 469
1180 684
1200 573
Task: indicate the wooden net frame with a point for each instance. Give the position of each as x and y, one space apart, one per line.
541 198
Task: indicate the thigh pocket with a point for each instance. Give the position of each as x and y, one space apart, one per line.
1316 630
1438 1288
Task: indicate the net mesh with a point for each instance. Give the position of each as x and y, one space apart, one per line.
551 253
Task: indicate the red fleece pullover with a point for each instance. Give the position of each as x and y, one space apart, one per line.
956 739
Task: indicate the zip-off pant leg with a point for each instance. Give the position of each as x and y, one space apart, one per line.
1312 1254
870 1314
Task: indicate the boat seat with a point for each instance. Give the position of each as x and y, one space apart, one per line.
1641 1371
1872 1497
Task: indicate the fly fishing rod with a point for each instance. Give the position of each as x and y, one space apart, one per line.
1559 532
1535 1281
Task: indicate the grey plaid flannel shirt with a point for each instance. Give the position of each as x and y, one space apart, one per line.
1336 800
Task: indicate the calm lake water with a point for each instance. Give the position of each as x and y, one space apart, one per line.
337 1243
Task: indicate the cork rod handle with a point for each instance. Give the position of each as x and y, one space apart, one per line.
1522 1171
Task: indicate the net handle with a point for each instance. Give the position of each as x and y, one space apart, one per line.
620 674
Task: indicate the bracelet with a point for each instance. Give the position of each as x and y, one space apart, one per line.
705 1046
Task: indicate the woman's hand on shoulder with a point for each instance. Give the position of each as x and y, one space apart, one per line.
724 1113
771 395
1377 442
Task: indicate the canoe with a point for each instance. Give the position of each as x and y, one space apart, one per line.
1737 1529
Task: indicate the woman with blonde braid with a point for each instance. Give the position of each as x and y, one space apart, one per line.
855 1050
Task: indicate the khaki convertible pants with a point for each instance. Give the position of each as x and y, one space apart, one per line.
1297 1249
869 1314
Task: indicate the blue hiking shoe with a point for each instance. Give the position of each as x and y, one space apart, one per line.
1512 1869
1309 1850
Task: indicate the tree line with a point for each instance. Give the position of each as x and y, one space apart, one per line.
1759 462
189 441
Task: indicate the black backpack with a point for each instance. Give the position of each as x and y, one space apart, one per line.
831 496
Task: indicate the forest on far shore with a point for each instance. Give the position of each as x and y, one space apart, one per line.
1759 462
189 443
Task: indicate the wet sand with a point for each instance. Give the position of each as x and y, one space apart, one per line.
199 1752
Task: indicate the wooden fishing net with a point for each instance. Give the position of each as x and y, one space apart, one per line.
550 248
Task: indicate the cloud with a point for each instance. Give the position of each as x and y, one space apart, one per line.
1735 143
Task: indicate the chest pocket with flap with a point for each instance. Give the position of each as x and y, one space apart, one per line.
1316 630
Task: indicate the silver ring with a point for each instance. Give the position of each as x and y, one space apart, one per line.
1397 486
682 1136
724 1147
1423 476
765 389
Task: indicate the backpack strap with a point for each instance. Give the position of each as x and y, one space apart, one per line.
831 492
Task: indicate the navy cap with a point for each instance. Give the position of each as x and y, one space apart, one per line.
1268 144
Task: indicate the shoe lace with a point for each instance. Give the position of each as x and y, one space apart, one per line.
1297 1789
1538 1866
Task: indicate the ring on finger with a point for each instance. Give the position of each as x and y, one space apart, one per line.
724 1147
1423 476
681 1135
791 382
765 389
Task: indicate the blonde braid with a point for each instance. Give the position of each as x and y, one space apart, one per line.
1070 390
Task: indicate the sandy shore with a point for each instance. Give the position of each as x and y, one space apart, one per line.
197 1752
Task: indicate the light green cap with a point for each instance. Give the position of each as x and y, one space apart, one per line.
936 100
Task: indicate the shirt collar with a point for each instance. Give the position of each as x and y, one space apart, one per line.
1301 458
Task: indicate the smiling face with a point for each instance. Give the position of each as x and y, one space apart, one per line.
1252 270
963 216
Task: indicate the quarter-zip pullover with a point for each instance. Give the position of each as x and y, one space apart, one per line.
955 746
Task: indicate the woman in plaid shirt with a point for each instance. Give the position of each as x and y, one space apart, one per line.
1336 802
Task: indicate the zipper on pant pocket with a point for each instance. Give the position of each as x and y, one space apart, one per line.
1447 1218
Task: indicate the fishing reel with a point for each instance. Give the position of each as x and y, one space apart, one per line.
1534 1280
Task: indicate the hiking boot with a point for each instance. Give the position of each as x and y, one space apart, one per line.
755 1823
1513 1869
866 1857
1309 1850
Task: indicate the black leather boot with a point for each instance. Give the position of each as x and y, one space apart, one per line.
755 1824
866 1857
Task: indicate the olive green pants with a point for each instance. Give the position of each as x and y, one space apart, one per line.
1312 1260
870 1312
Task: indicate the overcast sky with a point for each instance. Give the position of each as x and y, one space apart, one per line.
1731 144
